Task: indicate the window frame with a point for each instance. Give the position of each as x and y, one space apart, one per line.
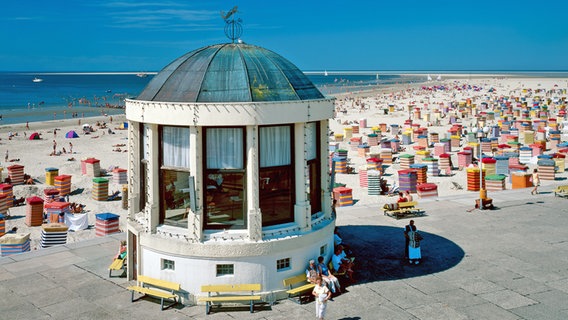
161 178
283 264
207 225
167 264
291 181
222 267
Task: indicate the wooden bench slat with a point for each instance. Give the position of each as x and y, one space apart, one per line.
117 264
407 204
294 280
229 298
303 288
231 287
222 294
157 289
152 292
159 283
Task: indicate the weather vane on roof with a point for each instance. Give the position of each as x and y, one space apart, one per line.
233 28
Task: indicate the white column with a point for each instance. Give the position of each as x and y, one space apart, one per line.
325 177
195 219
254 215
135 131
153 206
302 210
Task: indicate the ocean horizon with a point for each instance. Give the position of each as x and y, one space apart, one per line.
60 95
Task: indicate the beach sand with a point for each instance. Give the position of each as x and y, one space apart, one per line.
34 155
349 113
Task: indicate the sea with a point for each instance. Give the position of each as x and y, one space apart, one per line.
81 94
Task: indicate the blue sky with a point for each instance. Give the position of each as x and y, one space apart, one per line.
145 35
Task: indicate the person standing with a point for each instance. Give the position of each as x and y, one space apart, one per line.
408 228
536 181
6 156
413 238
70 147
322 295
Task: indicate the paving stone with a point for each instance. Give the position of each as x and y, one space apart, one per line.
507 299
553 298
436 311
487 311
540 312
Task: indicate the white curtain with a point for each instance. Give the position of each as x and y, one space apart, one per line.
224 148
275 146
175 147
311 140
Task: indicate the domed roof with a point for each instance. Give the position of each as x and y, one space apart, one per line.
232 72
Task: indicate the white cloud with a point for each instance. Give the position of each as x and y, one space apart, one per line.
171 16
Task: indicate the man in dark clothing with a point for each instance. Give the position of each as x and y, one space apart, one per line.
407 228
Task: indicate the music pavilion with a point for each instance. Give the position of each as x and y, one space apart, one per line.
228 171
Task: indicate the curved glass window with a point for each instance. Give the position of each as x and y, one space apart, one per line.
276 171
174 175
224 177
314 172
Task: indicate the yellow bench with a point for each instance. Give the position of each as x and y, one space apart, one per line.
218 293
161 289
561 191
298 286
117 264
401 209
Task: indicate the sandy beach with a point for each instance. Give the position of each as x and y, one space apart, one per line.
488 91
35 156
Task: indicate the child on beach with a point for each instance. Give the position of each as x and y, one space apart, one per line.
536 181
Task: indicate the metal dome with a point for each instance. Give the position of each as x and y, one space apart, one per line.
232 72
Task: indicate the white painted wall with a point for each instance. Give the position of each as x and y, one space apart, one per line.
250 265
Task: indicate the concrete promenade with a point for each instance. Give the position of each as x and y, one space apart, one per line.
508 263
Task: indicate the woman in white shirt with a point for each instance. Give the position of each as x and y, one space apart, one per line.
321 294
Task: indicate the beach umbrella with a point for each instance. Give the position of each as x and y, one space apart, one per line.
35 136
71 134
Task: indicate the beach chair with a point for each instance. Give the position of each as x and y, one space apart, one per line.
456 186
114 196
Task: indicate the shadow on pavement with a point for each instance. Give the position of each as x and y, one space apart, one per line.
379 252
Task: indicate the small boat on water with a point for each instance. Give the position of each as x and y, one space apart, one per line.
36 79
142 75
325 73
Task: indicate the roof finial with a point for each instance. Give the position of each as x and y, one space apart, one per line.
233 28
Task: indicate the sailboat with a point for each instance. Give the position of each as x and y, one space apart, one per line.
36 79
325 73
